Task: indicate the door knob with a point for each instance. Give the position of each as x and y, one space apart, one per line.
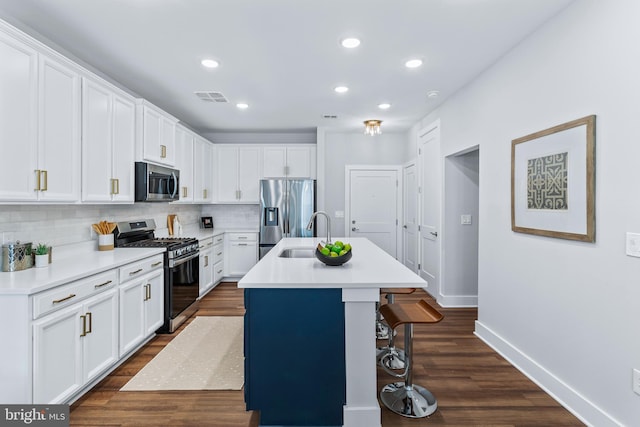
434 233
354 229
404 226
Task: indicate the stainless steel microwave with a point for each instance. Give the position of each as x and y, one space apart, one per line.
156 183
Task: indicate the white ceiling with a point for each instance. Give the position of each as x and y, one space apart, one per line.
283 57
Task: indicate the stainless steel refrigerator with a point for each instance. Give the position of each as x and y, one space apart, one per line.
286 205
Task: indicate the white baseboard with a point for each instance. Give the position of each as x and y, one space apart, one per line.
458 301
569 398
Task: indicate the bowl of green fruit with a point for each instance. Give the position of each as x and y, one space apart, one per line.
336 253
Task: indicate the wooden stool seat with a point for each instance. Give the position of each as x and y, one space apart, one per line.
420 312
398 291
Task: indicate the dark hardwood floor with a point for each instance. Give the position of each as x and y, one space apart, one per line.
473 384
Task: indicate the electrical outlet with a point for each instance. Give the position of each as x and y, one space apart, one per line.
633 244
636 381
465 219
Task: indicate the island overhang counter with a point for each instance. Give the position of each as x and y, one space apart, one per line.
329 314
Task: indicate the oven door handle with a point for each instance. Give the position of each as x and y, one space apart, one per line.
175 263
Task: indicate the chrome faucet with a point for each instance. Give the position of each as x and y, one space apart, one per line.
310 225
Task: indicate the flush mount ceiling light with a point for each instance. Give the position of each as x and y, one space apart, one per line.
350 42
384 106
341 89
372 127
433 94
210 63
413 63
242 105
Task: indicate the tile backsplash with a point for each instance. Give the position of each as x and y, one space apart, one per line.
68 224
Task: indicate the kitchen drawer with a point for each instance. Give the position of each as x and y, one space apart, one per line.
205 243
218 239
249 237
218 253
62 296
218 271
140 268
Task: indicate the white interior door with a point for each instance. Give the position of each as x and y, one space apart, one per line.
410 216
373 205
429 158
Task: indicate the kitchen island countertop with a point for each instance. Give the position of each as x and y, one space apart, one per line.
369 267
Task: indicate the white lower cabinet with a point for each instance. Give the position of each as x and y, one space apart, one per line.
141 309
206 265
241 253
73 346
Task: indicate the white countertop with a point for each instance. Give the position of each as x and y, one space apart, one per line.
68 265
369 267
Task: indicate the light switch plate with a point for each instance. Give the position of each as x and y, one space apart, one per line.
465 219
633 244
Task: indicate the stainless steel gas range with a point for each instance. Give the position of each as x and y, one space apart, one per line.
181 268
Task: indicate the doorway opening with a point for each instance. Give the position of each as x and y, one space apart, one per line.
459 281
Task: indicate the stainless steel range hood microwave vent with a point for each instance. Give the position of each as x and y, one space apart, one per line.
156 183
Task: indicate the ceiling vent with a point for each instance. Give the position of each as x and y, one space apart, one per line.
329 116
208 96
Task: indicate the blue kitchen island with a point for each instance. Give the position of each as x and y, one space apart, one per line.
310 346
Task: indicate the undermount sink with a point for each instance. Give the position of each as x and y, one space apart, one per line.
298 253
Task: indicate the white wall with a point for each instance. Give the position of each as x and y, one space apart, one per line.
565 312
336 150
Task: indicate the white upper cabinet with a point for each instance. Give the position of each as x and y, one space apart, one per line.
18 120
39 125
203 171
108 143
238 173
184 163
289 161
156 134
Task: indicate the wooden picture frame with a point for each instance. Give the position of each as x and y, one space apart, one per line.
553 181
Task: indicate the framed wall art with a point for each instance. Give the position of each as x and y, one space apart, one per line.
553 181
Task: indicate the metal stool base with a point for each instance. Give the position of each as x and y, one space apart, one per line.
394 360
417 402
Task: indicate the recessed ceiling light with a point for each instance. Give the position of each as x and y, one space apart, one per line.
350 42
384 106
242 105
413 63
433 94
209 63
341 89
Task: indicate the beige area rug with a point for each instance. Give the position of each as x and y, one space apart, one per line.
206 355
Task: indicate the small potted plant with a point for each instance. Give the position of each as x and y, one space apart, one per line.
42 255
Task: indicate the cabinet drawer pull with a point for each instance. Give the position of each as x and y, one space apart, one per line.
163 151
209 244
103 284
84 326
57 301
204 193
219 253
155 264
206 260
131 273
184 191
219 271
242 237
219 240
37 171
46 181
242 244
88 316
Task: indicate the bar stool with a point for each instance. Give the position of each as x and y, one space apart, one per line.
406 398
392 357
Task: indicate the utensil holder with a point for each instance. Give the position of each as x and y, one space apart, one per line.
105 242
